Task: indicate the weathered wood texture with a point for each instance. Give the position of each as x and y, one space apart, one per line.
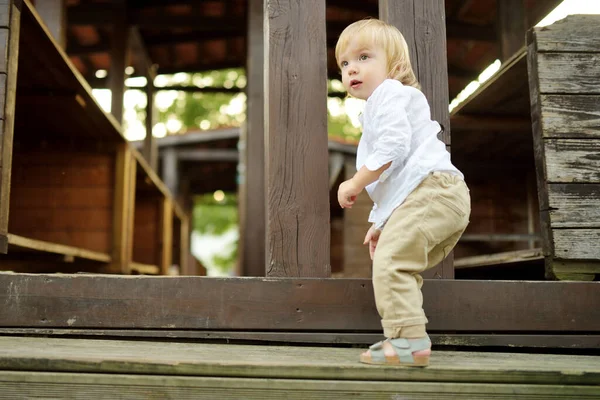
297 238
60 386
563 74
331 305
306 363
252 241
10 19
422 24
464 340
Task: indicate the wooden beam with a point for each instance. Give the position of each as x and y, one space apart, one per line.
123 210
170 169
207 155
10 21
118 61
297 231
509 257
512 26
423 27
166 236
54 15
253 200
195 303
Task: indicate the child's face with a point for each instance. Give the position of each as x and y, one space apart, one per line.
363 69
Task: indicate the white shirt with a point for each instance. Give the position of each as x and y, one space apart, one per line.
397 127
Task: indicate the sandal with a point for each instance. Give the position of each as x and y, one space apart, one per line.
405 353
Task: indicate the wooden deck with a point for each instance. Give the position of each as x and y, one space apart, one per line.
45 368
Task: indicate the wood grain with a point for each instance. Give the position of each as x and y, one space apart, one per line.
325 305
297 238
570 116
575 33
572 160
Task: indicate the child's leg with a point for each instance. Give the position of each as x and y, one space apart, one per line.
418 235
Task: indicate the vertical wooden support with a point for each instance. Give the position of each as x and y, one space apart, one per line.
145 66
252 204
54 15
124 203
170 171
150 147
423 24
184 245
118 62
10 20
512 26
297 232
167 236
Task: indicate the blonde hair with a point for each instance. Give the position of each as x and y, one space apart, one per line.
374 32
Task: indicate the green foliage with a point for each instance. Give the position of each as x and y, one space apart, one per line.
215 218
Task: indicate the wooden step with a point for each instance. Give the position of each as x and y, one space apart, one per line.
60 368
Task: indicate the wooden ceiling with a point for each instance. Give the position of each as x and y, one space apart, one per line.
200 35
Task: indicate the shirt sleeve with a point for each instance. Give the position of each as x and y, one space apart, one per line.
391 127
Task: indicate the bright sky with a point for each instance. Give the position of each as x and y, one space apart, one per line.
135 129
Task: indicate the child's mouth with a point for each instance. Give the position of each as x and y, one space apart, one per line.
354 84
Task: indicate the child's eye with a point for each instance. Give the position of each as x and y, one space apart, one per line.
363 57
344 64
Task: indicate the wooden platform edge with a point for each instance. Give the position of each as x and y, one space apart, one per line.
287 304
439 339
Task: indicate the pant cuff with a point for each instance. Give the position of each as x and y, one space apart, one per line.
413 328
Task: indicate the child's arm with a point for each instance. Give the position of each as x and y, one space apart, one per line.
349 189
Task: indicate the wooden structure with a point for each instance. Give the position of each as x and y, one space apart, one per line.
297 300
75 197
63 368
563 80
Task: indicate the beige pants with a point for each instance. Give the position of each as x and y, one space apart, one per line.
419 235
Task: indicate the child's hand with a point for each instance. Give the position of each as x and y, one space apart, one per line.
347 193
372 237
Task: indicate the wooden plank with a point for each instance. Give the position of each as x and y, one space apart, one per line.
144 268
577 244
124 195
327 364
464 340
297 230
47 247
60 385
288 304
509 257
166 233
54 15
570 116
512 25
10 13
48 219
4 35
569 73
539 148
575 33
572 160
118 60
184 245
504 94
252 204
574 205
423 26
69 197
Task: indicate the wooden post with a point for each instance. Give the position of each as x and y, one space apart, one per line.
167 236
423 25
54 15
252 202
170 171
123 211
10 16
148 70
118 62
512 26
297 233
